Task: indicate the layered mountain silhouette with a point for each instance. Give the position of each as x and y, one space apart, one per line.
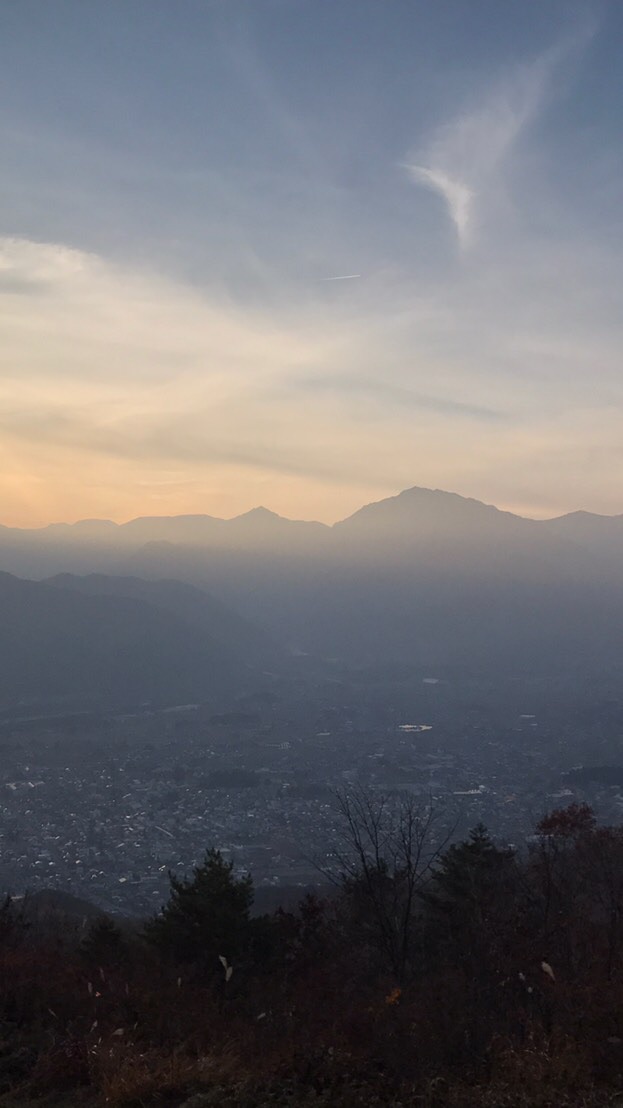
425 577
416 516
104 642
238 637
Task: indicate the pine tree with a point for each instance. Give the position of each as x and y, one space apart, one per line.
104 944
470 873
207 916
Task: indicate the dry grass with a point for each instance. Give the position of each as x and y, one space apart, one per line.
126 1075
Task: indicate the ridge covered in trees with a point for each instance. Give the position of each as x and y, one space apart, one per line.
459 974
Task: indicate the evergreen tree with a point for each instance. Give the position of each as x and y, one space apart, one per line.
104 944
207 916
475 914
475 903
470 875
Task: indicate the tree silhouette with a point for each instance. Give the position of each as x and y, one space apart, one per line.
386 854
207 915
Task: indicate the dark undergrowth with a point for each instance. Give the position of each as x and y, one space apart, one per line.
502 987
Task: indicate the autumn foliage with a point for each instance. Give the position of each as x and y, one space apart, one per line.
502 985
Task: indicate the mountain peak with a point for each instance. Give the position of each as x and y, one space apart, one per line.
418 507
442 496
260 513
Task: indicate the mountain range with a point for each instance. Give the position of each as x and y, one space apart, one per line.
417 515
425 577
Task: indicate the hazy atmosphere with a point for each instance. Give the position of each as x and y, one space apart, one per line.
307 254
311 554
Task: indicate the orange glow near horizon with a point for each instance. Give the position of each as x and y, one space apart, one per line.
27 501
126 393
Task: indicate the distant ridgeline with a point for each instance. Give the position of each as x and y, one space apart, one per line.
190 608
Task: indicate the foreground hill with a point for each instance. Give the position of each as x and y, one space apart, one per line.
59 644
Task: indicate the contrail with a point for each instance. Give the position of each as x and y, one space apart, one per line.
344 277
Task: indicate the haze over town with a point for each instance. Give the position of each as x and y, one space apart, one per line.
311 553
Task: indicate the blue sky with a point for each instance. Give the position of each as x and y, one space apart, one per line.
182 179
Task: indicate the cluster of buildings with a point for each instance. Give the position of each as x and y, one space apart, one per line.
106 806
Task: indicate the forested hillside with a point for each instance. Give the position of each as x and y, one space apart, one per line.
436 974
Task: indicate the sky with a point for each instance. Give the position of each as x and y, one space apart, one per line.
308 253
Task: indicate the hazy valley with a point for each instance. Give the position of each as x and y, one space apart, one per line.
426 579
337 715
221 678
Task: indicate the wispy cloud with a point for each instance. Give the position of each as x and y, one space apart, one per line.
457 195
124 391
127 378
465 158
387 392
